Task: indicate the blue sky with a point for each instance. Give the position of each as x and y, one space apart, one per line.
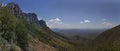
74 14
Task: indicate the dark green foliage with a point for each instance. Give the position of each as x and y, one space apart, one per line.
8 24
22 36
17 31
108 40
12 29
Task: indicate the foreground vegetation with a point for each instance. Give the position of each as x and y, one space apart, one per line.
18 34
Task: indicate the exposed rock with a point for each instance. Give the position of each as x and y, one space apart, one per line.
15 9
42 23
30 17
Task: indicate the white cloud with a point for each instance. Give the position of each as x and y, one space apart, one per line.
107 23
53 23
55 20
104 19
85 21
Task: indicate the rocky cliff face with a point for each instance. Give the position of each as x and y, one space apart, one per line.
42 23
15 9
18 35
30 17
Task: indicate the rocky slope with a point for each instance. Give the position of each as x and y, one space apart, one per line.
30 17
21 31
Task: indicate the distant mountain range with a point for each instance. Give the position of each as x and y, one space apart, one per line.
102 40
85 33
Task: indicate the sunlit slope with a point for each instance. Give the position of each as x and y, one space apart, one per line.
18 34
109 40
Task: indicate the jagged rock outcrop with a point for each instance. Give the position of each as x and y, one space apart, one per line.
30 17
42 23
18 35
15 9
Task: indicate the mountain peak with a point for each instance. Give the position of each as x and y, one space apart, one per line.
30 17
15 9
19 35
